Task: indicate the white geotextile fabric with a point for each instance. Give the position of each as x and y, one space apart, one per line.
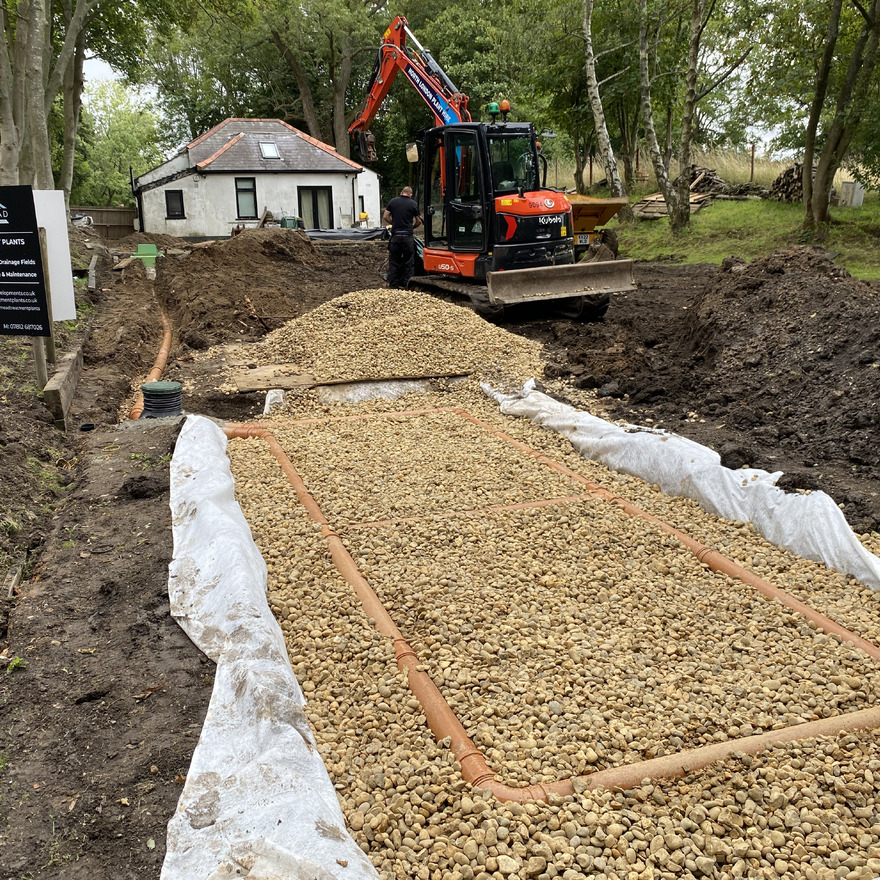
274 397
810 525
257 802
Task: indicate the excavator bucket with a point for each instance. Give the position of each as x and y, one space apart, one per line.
575 280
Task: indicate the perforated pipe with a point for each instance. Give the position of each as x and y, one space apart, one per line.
158 366
444 723
715 560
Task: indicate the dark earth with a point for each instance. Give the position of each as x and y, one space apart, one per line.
774 364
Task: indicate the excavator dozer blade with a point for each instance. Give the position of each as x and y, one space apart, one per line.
559 282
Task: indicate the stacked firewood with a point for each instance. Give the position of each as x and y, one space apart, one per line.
748 189
789 186
706 180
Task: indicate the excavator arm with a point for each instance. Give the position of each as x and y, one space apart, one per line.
445 101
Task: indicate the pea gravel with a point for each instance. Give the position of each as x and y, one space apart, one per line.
567 638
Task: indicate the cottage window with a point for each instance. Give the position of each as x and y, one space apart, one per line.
174 204
246 197
269 150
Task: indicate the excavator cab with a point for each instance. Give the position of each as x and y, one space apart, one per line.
488 217
483 205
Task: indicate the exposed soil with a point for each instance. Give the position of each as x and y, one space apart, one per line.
774 364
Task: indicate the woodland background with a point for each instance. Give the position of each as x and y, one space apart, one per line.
623 82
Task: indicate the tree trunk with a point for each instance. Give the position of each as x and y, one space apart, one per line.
628 123
819 94
302 83
579 184
73 87
12 94
29 84
37 121
659 160
340 76
680 216
847 114
603 141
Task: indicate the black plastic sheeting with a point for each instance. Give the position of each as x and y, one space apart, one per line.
377 234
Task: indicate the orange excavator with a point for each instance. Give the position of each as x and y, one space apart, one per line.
493 229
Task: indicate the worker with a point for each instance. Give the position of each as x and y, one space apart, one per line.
403 215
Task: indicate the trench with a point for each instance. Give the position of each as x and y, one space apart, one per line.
440 717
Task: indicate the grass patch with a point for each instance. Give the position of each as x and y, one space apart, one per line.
754 229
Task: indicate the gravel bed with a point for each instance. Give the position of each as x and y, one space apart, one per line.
584 639
412 466
841 597
806 810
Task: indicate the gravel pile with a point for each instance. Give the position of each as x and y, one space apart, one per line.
411 334
567 638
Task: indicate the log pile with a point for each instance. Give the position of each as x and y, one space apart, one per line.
789 186
747 189
706 180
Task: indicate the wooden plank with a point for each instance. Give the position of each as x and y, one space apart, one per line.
265 378
61 388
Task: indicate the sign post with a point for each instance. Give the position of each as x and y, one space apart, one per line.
24 308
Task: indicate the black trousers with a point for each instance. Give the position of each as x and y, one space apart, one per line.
401 257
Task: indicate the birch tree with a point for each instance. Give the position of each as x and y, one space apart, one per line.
676 193
603 141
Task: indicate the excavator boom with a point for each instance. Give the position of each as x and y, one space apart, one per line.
489 220
445 101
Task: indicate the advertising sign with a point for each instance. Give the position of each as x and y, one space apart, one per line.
23 308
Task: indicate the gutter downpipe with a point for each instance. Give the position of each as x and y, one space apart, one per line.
443 721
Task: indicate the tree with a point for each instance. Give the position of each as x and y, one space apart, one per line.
37 51
705 69
606 151
849 107
124 134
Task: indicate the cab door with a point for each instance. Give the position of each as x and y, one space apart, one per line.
434 213
465 201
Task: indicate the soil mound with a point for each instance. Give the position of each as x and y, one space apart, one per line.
786 349
241 288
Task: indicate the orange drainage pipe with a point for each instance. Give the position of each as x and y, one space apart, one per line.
444 723
715 560
440 717
158 366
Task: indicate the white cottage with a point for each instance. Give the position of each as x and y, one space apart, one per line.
241 168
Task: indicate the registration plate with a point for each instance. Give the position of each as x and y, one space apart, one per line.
582 238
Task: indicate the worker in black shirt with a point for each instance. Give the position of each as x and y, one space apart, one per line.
403 215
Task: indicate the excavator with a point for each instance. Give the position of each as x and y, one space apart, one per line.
493 229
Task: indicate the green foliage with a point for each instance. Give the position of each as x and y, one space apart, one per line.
16 663
784 64
754 229
121 131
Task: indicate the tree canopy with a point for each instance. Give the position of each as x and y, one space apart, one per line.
614 80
